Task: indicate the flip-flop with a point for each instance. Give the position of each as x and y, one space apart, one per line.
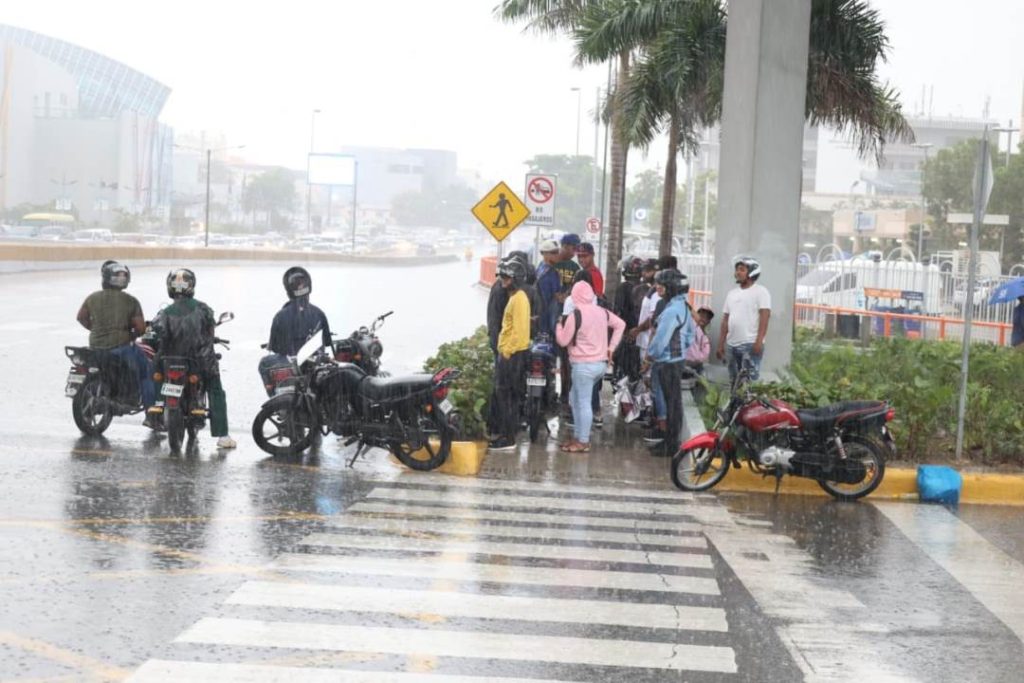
577 447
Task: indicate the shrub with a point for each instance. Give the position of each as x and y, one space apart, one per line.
473 358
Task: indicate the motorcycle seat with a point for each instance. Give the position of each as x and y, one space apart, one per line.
827 418
384 389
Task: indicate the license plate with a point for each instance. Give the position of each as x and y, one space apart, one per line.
290 389
536 381
169 389
446 406
75 378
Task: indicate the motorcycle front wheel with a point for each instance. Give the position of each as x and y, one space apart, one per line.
699 469
91 408
869 452
437 443
279 429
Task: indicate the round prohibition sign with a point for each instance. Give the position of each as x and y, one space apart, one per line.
540 190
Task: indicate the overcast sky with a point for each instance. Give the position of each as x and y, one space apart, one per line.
445 74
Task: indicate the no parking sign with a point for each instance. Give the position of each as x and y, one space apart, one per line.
540 199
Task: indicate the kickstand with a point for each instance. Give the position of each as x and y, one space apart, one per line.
359 451
778 481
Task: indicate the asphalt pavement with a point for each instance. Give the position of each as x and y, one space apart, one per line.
120 562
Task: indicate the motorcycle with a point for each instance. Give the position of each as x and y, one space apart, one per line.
362 347
183 389
540 384
410 416
843 446
103 386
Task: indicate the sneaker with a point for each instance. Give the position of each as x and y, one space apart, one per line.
654 437
226 442
598 422
501 445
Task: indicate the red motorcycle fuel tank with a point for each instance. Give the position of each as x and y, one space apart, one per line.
757 418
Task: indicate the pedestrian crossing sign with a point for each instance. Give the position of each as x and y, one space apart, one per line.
501 211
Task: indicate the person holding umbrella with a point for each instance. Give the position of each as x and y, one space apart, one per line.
1017 335
1004 294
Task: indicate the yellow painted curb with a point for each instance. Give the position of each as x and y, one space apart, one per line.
899 483
465 460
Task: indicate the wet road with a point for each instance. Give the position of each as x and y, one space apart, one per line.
120 562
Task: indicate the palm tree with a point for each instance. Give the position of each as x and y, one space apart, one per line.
677 79
555 16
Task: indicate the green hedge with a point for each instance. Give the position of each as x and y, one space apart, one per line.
922 381
473 358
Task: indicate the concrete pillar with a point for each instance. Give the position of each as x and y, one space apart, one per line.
762 143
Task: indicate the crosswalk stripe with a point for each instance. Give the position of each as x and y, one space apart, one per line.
557 552
503 646
469 528
477 606
545 487
992 576
167 671
520 516
530 502
497 573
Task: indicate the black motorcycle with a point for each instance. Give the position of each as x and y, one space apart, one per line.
183 389
362 347
410 416
540 384
103 386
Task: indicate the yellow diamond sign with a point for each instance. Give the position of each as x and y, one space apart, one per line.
501 211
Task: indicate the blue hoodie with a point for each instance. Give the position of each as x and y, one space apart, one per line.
674 333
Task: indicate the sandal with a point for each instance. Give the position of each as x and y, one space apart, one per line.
577 447
568 446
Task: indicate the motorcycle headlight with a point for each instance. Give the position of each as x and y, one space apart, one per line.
376 349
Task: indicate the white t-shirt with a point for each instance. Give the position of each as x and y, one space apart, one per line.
647 307
743 306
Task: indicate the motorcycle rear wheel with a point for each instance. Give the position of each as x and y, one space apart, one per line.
871 453
91 408
436 448
534 416
699 469
280 430
175 429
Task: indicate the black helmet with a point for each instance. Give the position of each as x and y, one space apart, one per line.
631 267
752 264
513 268
650 264
674 282
181 283
115 275
297 282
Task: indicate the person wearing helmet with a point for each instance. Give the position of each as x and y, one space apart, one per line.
667 352
627 355
745 317
186 328
298 321
498 298
113 317
510 365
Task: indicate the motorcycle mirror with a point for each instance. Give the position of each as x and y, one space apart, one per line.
226 316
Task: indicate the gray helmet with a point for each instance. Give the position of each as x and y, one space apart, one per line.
513 268
181 283
115 275
674 282
752 264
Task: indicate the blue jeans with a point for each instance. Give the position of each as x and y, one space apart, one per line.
135 357
584 377
660 409
742 355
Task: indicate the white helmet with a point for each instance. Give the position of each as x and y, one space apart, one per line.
752 264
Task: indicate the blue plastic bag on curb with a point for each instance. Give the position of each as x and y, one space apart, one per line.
939 484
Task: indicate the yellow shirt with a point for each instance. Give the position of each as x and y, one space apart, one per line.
515 325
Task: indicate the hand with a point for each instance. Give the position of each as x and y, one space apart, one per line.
720 353
610 355
758 348
633 333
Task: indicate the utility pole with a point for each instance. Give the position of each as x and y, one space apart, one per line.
309 185
926 146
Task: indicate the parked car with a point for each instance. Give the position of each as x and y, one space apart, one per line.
423 249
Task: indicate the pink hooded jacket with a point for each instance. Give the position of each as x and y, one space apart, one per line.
592 343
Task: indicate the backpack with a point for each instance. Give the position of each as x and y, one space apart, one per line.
577 317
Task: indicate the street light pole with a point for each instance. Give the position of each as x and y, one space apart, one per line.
579 101
309 186
924 200
1009 130
206 241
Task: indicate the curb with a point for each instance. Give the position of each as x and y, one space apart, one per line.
900 483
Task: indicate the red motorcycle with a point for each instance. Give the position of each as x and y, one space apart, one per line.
842 446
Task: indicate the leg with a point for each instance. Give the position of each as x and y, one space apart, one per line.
658 392
218 406
670 376
584 377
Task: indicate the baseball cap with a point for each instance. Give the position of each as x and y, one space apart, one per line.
571 239
548 246
585 248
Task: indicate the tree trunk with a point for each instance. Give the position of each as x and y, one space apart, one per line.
668 197
617 193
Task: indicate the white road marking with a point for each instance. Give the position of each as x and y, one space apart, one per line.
505 646
529 502
468 528
557 552
477 606
520 516
541 487
479 572
991 576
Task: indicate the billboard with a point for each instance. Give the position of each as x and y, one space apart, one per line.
331 169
